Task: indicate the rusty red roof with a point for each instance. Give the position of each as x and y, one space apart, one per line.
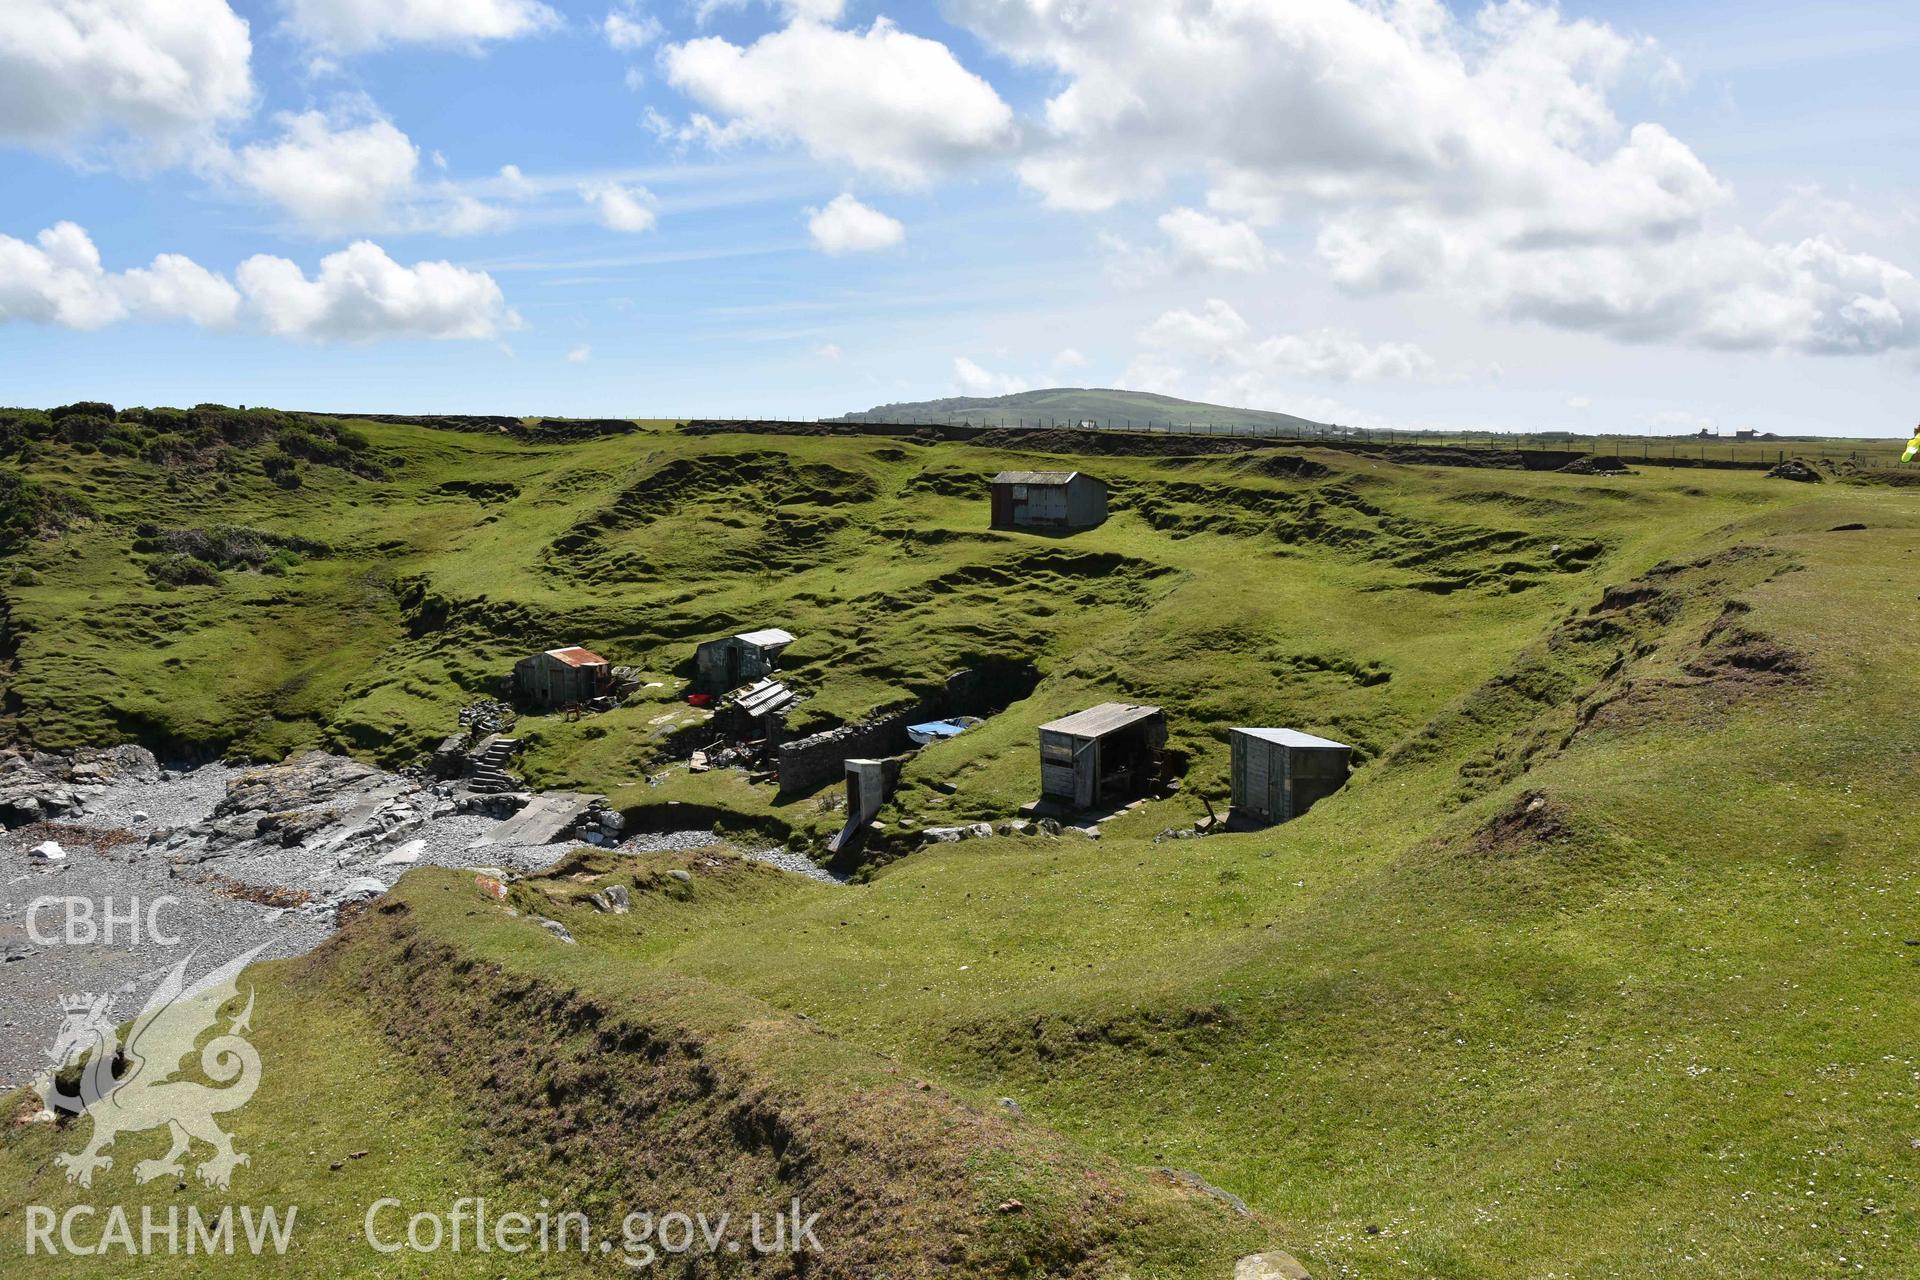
578 657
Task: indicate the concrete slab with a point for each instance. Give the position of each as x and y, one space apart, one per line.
544 818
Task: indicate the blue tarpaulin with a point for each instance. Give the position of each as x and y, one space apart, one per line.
925 733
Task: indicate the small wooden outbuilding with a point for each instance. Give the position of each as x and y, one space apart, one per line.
1107 754
724 665
562 678
1278 774
1048 500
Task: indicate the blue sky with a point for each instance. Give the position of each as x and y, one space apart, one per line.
1620 217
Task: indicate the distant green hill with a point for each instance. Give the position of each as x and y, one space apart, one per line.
1065 405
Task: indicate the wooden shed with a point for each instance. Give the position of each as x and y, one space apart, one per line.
562 678
1107 754
1278 774
724 665
1048 500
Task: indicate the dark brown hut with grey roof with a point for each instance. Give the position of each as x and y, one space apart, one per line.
1048 500
562 678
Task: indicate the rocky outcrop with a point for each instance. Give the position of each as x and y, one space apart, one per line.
44 785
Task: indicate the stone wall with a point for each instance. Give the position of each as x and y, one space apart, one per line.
807 764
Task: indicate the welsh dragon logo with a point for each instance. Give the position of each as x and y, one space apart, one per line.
130 1088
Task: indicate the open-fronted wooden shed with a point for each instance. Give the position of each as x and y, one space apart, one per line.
1107 754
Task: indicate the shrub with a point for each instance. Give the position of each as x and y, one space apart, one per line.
84 428
169 447
181 571
28 508
82 408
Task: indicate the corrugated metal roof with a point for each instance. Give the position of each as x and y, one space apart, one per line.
575 656
763 697
1034 477
1097 722
1292 738
769 638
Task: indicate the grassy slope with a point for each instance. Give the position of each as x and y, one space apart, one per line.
1668 1037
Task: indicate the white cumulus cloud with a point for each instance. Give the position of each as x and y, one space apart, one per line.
1220 336
847 226
1217 244
817 10
355 25
976 381
331 175
1476 155
359 294
621 208
162 73
628 29
58 280
580 354
881 100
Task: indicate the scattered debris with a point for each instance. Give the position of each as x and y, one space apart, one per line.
48 851
273 897
1531 821
1594 464
1796 469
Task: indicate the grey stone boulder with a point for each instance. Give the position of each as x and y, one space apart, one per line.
555 928
612 900
1271 1265
361 889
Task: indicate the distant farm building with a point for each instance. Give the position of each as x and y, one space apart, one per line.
1278 774
1104 755
723 665
1048 500
562 678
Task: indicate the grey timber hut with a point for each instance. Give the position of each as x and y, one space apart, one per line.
724 665
1278 774
1048 500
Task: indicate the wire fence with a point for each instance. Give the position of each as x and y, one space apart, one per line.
1713 451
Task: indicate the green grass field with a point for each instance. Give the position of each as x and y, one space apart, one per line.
1599 966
